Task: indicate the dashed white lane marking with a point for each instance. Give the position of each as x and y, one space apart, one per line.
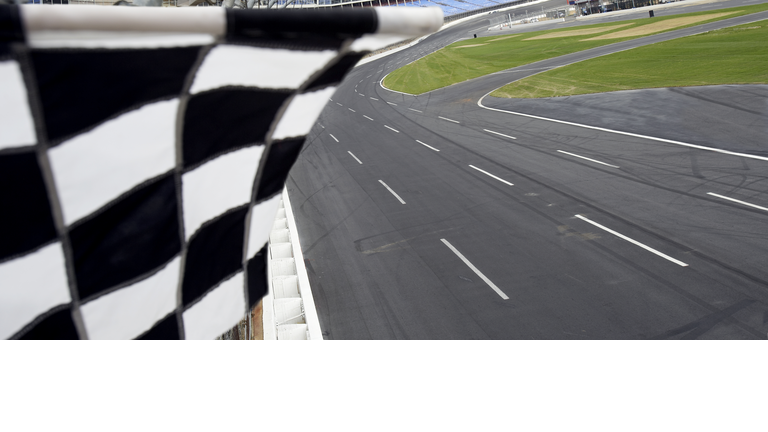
368 117
448 119
500 134
351 109
360 94
634 242
330 99
737 201
592 160
358 160
392 128
415 110
339 104
427 145
360 81
491 175
393 192
474 269
392 103
372 98
321 125
334 138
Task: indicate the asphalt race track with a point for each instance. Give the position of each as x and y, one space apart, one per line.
630 215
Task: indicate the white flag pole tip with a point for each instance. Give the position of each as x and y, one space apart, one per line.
210 20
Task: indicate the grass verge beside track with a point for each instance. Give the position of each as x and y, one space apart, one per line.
496 53
734 55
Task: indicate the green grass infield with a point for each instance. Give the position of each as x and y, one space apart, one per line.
734 55
454 64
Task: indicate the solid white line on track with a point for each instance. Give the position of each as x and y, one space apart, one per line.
448 119
501 134
368 117
358 160
664 140
521 70
372 98
392 103
634 242
415 110
491 175
351 109
737 201
392 128
393 192
593 160
474 269
334 138
427 145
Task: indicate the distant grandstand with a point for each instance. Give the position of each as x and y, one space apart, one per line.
451 8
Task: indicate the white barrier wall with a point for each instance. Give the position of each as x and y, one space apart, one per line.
289 308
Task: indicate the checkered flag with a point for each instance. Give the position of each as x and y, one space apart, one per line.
142 155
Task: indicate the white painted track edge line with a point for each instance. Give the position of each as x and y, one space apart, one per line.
392 192
334 138
499 133
381 83
737 201
427 145
351 154
474 269
310 313
491 175
448 119
592 160
392 128
664 140
634 242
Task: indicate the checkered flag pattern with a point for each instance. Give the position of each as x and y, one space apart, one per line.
142 155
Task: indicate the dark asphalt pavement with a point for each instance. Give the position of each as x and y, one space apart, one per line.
590 234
